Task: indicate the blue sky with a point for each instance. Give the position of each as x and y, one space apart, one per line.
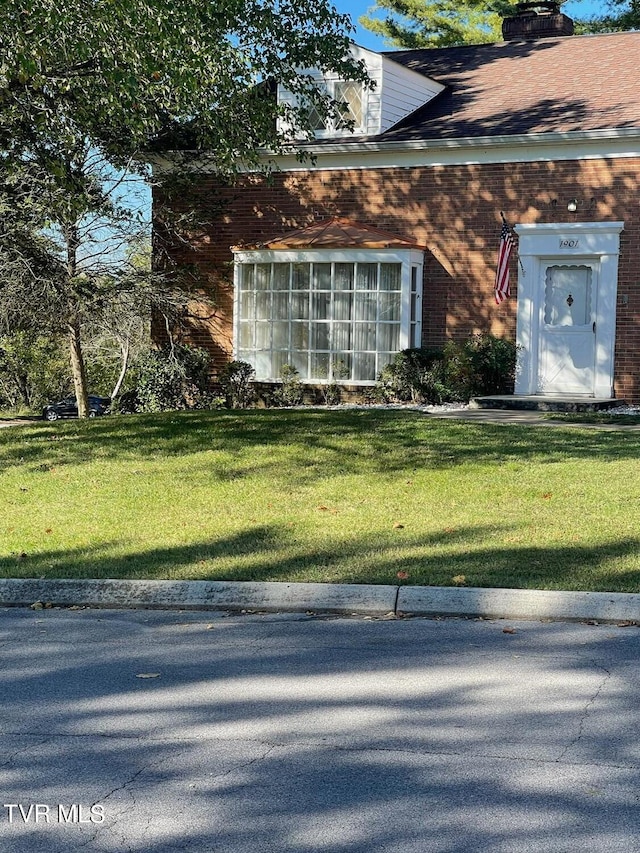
357 8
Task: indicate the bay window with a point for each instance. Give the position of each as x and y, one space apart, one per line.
331 314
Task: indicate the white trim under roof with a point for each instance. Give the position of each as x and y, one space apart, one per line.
523 148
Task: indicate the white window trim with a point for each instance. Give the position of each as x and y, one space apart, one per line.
408 258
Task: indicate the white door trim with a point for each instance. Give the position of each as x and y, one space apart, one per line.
561 242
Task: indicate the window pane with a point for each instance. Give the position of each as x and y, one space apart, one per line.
299 306
299 336
247 304
263 305
388 336
364 366
342 305
389 306
300 360
280 305
390 276
319 336
320 362
263 335
415 336
343 277
345 359
321 305
342 336
322 276
385 358
261 361
367 277
263 276
300 276
364 336
280 335
247 277
349 94
366 306
281 276
315 118
278 360
246 335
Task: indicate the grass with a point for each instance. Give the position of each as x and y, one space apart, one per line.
341 496
594 418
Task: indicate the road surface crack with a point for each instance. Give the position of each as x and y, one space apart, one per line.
586 712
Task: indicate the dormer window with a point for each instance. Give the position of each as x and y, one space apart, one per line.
395 92
349 94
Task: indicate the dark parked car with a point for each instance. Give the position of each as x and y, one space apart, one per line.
68 408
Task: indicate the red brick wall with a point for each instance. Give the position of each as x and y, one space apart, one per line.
455 212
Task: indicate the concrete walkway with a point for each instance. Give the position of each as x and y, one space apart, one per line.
526 417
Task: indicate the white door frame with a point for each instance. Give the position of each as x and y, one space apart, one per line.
560 243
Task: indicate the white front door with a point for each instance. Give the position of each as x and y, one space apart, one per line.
568 330
567 282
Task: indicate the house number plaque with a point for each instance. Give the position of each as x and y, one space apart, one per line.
569 244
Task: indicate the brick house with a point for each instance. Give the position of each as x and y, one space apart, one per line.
388 237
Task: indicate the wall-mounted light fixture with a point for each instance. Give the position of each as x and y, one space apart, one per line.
573 205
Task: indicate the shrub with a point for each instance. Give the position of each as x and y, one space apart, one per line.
171 378
332 392
291 391
236 382
34 370
415 375
483 364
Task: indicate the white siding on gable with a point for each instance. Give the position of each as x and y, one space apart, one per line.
396 92
402 92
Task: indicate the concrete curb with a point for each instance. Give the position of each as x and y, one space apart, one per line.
201 595
520 604
361 599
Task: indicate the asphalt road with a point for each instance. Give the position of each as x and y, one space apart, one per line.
153 732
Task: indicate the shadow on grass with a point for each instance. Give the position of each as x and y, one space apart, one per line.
270 553
346 441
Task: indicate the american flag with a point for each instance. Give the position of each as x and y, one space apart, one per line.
502 289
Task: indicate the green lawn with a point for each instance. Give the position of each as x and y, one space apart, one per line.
295 495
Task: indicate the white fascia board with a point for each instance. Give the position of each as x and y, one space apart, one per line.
347 254
522 148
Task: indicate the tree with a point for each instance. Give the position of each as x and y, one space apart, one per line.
87 90
438 23
620 16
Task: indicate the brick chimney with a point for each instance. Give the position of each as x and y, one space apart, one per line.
536 21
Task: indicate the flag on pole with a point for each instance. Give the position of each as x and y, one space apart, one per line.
502 289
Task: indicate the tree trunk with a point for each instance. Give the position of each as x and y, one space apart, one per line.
78 369
124 353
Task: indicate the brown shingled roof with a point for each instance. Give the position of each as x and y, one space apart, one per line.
338 233
577 83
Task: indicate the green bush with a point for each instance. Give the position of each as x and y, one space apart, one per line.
170 378
415 375
291 391
34 370
332 392
481 365
236 382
